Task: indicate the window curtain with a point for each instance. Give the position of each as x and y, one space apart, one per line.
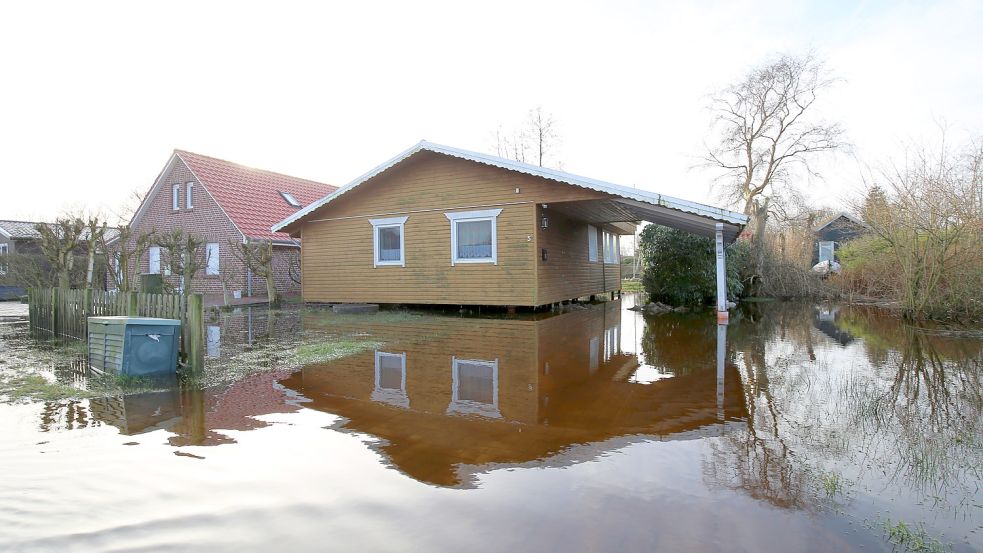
474 239
389 244
476 383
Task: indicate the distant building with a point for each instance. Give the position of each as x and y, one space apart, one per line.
220 201
835 232
20 245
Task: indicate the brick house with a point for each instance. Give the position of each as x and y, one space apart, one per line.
220 202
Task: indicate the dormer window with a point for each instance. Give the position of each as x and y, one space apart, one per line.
290 199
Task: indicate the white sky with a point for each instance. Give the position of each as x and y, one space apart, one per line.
95 95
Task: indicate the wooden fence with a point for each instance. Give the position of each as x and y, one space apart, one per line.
64 313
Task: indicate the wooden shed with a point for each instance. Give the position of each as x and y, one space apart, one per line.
441 225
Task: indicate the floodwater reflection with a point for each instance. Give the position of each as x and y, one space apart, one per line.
833 416
453 395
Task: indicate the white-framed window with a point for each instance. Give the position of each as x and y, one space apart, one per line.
189 195
826 250
475 387
388 241
153 264
176 197
3 258
474 236
610 247
612 342
591 243
289 198
212 258
390 379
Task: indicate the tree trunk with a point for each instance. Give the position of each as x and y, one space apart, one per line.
91 267
271 292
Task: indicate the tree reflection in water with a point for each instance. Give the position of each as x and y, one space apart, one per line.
892 409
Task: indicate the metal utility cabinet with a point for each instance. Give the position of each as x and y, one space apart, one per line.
134 346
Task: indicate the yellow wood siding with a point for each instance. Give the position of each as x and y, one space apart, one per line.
567 273
338 240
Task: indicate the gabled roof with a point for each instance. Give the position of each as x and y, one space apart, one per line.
652 198
26 230
844 215
252 197
18 229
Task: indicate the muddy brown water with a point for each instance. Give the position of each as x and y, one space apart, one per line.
796 428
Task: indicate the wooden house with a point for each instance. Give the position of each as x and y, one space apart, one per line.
441 225
832 234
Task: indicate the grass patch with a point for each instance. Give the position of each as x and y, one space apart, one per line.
912 538
308 354
37 388
832 483
632 286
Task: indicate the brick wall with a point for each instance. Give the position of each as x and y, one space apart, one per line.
205 219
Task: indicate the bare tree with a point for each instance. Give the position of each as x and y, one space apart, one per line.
765 128
59 242
124 254
95 233
534 141
257 256
185 255
926 215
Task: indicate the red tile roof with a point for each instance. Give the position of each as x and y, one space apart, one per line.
251 197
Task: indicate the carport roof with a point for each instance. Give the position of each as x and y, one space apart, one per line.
639 204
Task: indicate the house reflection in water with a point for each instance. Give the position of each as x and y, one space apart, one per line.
453 396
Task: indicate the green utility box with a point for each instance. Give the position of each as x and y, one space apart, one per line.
134 346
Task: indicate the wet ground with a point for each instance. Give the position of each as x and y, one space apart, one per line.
796 428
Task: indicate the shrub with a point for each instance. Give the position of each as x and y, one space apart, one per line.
680 268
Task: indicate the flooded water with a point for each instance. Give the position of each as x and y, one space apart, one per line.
795 428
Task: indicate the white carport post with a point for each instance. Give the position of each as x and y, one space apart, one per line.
722 315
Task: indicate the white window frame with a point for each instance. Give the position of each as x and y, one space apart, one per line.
591 243
474 217
469 407
4 251
612 342
189 195
213 259
153 257
610 248
399 398
175 197
832 250
391 222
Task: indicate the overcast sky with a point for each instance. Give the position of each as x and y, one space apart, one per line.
94 96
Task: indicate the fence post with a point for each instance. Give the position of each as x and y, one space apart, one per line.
55 296
31 318
132 305
196 332
86 312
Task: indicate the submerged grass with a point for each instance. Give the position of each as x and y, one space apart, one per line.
905 537
309 354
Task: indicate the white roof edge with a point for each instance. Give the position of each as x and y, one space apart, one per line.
846 215
4 233
695 208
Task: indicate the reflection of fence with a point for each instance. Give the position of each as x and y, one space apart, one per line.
64 313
